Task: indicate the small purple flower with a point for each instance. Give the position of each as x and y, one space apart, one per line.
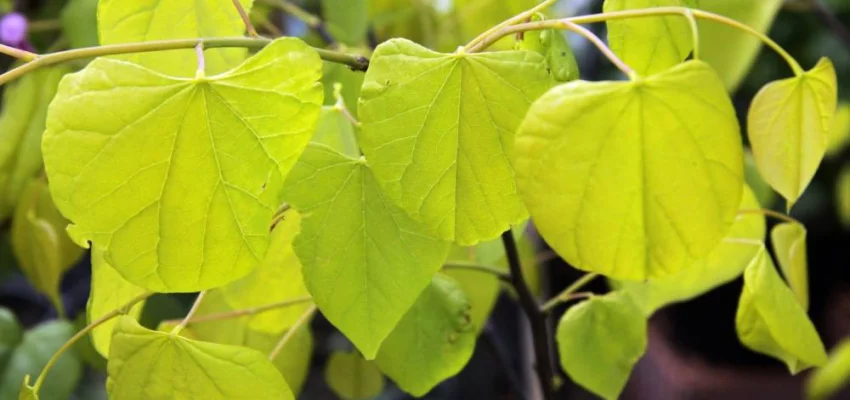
13 29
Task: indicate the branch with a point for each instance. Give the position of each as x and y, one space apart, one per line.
245 311
252 32
536 319
355 62
568 293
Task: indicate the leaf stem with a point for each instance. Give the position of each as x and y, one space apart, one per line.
692 21
192 311
88 328
537 320
252 32
17 53
770 213
568 293
603 48
487 269
304 319
314 22
245 311
511 21
355 62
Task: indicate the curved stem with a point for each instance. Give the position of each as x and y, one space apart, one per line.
356 62
245 311
568 293
304 319
472 45
88 328
770 213
603 48
17 53
487 269
692 21
192 311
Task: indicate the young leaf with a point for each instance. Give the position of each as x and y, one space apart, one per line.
599 342
438 130
788 127
353 378
553 45
833 376
42 248
337 132
771 321
653 44
145 20
724 264
655 171
842 195
789 245
109 291
433 341
731 52
278 278
21 126
192 211
364 261
29 358
145 364
482 290
10 335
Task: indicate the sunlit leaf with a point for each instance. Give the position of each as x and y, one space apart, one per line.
79 23
839 132
109 291
599 341
433 341
352 377
731 52
655 171
29 358
842 195
192 210
438 130
833 376
789 245
351 82
771 321
364 261
145 364
21 126
724 264
788 127
278 278
145 20
653 44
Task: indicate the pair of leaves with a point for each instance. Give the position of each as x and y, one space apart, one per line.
32 353
655 167
190 212
147 364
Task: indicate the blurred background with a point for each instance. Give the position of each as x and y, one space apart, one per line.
693 350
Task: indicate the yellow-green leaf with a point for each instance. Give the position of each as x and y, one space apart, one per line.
771 321
789 245
336 131
150 365
192 210
278 278
833 376
352 377
438 130
364 261
842 195
764 193
653 44
731 52
27 392
433 341
788 127
109 291
121 21
655 171
840 131
482 290
599 341
724 264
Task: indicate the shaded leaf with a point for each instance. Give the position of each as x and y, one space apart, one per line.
29 358
840 130
10 335
842 195
789 246
347 20
352 377
79 23
109 291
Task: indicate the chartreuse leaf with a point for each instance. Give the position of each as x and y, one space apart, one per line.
438 130
10 335
31 355
771 321
278 278
599 341
192 211
433 341
482 290
788 127
653 44
789 245
840 130
27 391
833 376
552 44
40 244
764 193
109 291
655 169
145 20
723 264
21 126
364 261
730 51
352 377
145 364
476 16
842 195
336 131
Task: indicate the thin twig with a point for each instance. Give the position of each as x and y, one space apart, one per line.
17 53
537 320
246 19
304 319
192 311
487 269
770 213
523 16
566 294
244 312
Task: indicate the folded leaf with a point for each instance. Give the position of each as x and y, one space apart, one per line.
789 245
352 377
